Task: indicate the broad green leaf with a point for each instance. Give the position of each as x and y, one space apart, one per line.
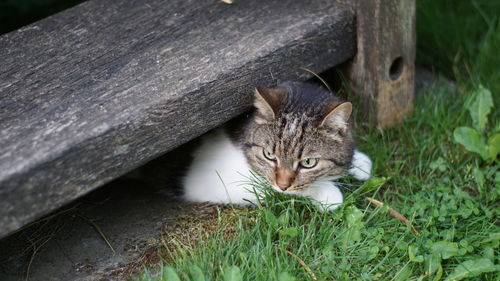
471 268
439 273
489 253
404 274
412 251
431 264
232 273
412 254
493 240
373 183
290 232
479 177
196 273
373 252
439 164
493 146
480 108
470 139
419 258
285 276
495 236
169 274
284 219
271 219
444 249
353 215
353 218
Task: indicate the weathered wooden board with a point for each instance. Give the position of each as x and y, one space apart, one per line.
383 71
93 92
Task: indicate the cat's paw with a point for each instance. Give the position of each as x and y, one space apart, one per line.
361 166
327 207
325 193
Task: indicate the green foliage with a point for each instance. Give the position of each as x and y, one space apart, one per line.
353 218
196 273
373 184
471 268
444 249
232 273
493 145
480 108
438 164
285 276
169 274
473 139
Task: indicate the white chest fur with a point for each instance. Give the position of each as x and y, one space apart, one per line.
219 173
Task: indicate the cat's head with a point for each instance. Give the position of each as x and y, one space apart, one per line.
299 133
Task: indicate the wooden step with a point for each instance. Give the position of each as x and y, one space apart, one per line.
91 93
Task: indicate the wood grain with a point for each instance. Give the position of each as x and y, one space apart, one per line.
382 73
97 90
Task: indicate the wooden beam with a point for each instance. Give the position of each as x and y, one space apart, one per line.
100 89
383 71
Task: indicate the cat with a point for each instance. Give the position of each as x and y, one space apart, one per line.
298 137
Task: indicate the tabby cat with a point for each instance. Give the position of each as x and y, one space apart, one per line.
298 137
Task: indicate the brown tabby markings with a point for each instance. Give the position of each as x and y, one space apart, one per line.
294 122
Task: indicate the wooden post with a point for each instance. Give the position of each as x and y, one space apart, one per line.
383 70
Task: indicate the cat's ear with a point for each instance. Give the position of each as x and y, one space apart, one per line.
336 115
267 101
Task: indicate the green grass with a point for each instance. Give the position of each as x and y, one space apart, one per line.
431 183
423 174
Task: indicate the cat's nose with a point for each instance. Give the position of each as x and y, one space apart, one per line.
283 186
284 178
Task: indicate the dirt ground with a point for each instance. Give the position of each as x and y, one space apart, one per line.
107 235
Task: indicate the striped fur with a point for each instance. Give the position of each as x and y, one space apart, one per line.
296 129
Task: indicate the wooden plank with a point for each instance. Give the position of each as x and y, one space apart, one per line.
383 71
95 91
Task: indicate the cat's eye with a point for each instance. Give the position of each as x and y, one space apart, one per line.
268 155
308 163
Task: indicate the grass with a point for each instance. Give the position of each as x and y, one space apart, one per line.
422 173
431 183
